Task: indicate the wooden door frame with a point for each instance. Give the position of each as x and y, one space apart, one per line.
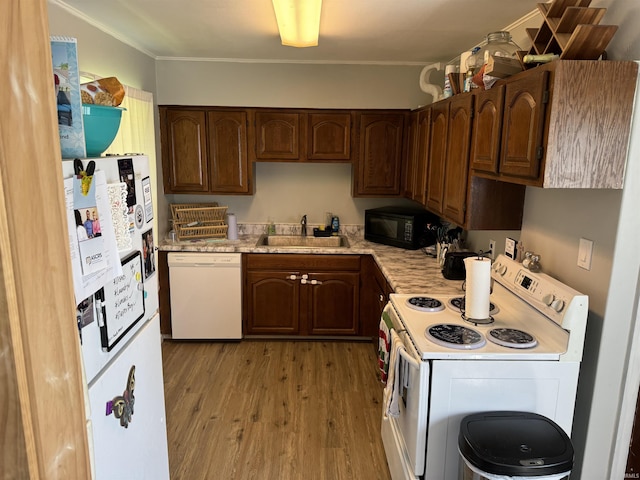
42 394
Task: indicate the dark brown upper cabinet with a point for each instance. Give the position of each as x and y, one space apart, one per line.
296 135
185 162
487 129
565 124
229 164
277 135
437 155
454 200
471 202
329 136
524 107
204 150
417 159
378 163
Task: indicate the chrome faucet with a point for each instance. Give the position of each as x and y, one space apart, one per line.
303 223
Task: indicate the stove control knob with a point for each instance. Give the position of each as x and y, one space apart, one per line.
502 269
558 305
548 299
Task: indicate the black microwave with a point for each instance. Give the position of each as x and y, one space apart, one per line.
403 227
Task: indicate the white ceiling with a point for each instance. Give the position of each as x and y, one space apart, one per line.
351 31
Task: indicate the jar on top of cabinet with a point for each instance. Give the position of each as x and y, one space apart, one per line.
497 44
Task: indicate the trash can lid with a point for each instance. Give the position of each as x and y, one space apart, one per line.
515 444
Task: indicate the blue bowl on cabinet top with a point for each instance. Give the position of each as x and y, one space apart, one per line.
101 124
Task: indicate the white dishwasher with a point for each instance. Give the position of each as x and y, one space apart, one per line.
206 296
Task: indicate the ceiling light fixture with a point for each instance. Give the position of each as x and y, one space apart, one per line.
298 21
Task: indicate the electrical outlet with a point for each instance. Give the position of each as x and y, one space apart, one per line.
492 249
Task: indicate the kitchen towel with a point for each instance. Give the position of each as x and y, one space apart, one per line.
391 393
478 287
232 227
384 345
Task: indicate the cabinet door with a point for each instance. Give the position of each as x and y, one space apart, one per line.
524 109
437 156
419 193
380 154
333 307
329 136
228 152
374 295
457 162
271 303
277 136
487 129
411 156
184 143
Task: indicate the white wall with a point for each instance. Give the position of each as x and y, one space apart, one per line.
102 54
286 191
289 85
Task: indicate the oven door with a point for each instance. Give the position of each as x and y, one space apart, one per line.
409 429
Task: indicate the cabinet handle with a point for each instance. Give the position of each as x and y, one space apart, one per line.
304 281
293 277
381 298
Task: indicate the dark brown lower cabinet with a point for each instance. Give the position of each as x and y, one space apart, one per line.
374 295
290 294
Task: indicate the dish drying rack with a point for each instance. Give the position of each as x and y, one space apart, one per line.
198 220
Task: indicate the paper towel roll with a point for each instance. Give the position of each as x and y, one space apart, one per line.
232 229
478 287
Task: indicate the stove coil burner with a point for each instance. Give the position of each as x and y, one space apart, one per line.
457 304
425 304
455 336
512 338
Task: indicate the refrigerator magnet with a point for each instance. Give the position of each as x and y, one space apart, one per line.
122 405
139 217
148 202
127 176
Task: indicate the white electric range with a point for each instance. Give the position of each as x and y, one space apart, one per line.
525 356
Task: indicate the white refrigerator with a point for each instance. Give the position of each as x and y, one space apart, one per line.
110 215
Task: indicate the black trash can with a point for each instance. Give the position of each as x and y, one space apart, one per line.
495 445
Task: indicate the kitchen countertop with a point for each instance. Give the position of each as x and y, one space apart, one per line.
407 271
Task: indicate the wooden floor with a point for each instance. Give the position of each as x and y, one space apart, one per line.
280 410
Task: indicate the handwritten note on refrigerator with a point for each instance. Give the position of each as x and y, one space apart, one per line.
122 301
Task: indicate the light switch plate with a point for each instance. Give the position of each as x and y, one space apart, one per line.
585 251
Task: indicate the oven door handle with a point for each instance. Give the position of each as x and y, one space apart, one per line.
406 362
410 360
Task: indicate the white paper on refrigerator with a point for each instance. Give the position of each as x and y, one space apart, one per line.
86 281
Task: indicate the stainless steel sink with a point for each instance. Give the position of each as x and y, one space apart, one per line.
298 241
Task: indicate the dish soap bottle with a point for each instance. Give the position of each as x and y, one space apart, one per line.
335 225
271 229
